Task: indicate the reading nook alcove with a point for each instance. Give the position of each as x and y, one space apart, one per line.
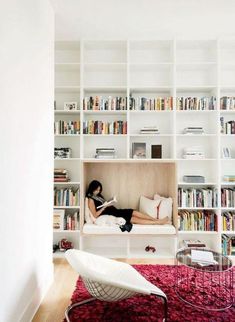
128 180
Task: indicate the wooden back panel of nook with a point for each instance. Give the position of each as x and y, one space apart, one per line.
128 180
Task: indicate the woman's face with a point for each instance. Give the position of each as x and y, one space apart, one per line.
97 191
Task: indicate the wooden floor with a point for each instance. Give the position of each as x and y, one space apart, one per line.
58 297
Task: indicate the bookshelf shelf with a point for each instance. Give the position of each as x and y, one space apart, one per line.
198 232
149 69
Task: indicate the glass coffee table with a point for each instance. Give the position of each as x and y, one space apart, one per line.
206 287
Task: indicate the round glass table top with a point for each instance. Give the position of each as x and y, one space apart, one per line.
221 262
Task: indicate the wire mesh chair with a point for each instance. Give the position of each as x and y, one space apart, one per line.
108 280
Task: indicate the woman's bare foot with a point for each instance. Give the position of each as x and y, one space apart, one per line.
163 221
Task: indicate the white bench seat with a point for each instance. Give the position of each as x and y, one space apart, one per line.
136 230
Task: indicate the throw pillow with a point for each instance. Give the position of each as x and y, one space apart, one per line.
149 206
165 206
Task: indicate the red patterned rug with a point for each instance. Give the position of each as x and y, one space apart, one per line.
148 308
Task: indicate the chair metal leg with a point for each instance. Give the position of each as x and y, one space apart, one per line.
69 308
165 305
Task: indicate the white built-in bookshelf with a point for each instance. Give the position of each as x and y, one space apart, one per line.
133 69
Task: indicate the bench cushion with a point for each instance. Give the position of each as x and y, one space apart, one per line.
136 229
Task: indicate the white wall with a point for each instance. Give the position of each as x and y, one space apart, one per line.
26 162
143 19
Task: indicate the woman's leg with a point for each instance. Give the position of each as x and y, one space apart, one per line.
142 216
136 220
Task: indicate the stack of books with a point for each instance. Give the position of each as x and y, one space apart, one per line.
193 130
149 130
105 153
229 178
62 153
188 243
194 152
61 175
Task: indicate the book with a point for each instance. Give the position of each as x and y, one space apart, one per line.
202 257
108 203
192 243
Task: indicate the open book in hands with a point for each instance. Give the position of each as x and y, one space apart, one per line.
108 202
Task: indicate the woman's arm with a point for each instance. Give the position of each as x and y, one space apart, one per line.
93 210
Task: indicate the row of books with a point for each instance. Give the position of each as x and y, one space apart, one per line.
197 197
62 153
65 221
66 197
227 127
228 220
157 104
99 103
227 103
61 175
228 245
196 103
100 127
228 197
66 127
202 220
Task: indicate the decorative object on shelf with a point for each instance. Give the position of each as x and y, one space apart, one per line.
65 244
193 152
67 127
197 220
138 150
153 104
100 127
156 151
58 219
105 153
61 175
70 106
150 248
99 103
149 130
226 153
227 103
196 103
62 153
193 179
193 130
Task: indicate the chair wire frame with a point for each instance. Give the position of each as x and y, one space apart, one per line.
109 293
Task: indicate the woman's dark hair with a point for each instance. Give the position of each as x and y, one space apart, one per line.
92 187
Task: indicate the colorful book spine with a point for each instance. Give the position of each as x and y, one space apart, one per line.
202 220
100 127
66 127
196 103
99 103
151 104
197 197
66 197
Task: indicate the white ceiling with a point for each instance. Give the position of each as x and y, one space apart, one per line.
123 19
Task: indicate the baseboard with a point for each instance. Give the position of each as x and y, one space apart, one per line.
37 296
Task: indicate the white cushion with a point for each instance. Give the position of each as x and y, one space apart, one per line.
165 206
148 206
136 230
90 219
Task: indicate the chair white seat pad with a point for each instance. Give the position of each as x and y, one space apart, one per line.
136 229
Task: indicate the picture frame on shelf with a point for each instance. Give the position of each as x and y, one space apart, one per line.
58 219
70 106
139 150
226 153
